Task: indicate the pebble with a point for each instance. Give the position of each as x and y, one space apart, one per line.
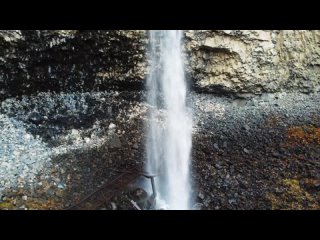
197 206
246 150
57 180
24 198
207 202
225 144
218 166
276 154
50 192
114 206
201 195
232 201
216 146
35 118
135 146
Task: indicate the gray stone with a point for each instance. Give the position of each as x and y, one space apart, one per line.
114 206
276 154
50 192
207 202
197 206
218 165
135 146
201 195
114 142
35 118
239 102
61 186
30 161
225 144
267 97
112 126
246 150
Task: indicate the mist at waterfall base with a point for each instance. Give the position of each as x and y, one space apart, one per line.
169 125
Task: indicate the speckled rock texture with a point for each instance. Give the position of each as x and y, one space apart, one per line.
222 61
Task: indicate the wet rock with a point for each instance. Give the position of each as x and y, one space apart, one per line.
276 154
216 146
239 102
225 144
201 195
218 165
36 118
23 207
206 202
30 161
113 206
197 206
112 126
61 186
50 192
141 197
246 150
279 190
114 142
135 146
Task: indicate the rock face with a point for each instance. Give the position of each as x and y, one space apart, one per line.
254 61
73 60
223 61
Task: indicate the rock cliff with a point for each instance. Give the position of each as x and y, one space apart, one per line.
255 61
223 61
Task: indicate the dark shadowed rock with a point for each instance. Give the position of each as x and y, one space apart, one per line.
36 118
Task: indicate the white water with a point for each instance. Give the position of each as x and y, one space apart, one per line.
169 131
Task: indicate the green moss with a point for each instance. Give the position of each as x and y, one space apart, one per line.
6 205
294 197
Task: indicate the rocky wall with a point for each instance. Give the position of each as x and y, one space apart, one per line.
224 61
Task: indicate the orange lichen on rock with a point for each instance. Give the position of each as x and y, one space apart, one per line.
30 204
303 135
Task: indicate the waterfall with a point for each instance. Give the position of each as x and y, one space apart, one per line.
168 142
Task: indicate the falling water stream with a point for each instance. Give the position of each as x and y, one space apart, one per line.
168 141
